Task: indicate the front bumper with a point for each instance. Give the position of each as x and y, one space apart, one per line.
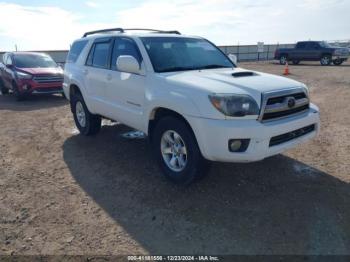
32 87
338 57
213 135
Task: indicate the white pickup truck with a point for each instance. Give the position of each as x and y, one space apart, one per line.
192 100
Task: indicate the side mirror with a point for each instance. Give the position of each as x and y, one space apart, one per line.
9 66
233 58
128 64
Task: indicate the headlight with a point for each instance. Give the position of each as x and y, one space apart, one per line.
337 51
22 75
234 105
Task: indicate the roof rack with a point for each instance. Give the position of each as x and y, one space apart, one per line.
121 30
154 30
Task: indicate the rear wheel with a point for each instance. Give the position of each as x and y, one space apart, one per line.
86 122
283 59
326 60
177 151
338 61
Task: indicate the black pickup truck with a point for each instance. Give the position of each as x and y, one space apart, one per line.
313 51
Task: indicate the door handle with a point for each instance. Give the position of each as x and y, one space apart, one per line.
109 77
85 71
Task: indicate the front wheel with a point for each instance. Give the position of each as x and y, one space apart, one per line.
283 59
326 60
86 122
177 151
338 62
296 62
18 94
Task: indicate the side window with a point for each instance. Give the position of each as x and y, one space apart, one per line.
9 60
124 46
313 45
75 51
301 45
99 55
4 59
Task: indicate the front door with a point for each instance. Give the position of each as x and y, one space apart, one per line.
126 91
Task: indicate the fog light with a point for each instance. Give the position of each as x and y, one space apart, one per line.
238 145
25 87
235 145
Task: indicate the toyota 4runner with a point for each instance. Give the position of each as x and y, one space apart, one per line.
191 99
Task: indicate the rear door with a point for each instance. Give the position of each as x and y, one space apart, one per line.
299 51
96 73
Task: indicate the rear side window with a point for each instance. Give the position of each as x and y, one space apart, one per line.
301 45
100 57
75 51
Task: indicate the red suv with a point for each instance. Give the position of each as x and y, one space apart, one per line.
30 73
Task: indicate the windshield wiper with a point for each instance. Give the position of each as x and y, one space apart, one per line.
213 66
182 68
176 68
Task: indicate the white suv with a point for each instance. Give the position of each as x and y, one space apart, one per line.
187 96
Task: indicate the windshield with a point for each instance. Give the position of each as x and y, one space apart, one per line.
169 54
34 61
325 44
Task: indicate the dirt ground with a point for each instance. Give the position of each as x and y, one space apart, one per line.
61 193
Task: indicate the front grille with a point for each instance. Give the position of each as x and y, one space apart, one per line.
269 116
276 140
280 99
284 104
57 89
45 79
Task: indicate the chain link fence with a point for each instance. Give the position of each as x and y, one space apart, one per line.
243 52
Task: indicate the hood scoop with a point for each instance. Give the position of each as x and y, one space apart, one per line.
244 74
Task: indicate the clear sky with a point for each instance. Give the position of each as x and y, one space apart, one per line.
47 25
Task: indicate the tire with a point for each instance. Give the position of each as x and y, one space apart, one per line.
283 59
173 138
3 89
326 60
338 62
18 95
296 62
86 122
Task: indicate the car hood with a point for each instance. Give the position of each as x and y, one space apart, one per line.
42 71
232 81
341 50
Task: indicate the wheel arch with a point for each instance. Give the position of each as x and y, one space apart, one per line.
74 89
158 113
324 54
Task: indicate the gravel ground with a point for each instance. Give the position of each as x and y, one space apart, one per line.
61 193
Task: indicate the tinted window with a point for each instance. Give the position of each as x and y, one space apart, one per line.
33 61
301 45
100 55
9 60
169 54
313 45
124 46
75 51
4 58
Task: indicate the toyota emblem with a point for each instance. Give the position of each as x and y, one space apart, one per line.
291 102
